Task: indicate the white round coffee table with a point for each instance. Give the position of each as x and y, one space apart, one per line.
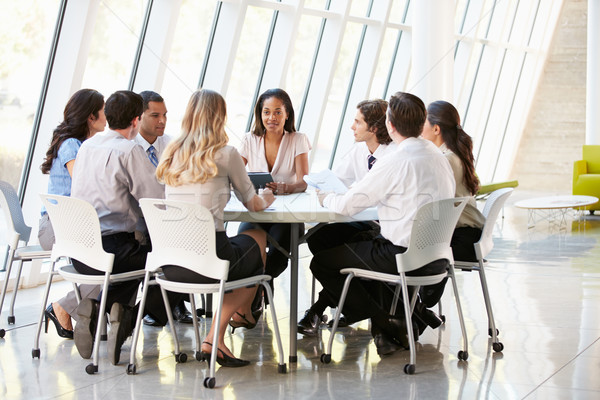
552 208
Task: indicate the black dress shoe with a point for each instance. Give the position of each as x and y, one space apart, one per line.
342 323
424 317
121 327
397 330
385 346
148 320
181 314
309 325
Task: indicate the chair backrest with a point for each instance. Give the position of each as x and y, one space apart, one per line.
431 233
9 202
591 154
182 234
77 231
492 208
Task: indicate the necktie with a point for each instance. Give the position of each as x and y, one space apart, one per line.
371 160
152 155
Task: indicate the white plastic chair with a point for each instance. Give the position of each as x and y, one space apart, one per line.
429 241
17 231
183 234
493 205
77 231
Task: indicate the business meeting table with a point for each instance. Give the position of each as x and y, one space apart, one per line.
297 208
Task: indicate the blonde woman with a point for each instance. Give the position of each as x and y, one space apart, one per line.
200 167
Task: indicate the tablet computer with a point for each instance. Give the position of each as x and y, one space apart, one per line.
260 179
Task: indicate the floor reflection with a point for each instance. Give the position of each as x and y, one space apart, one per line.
545 291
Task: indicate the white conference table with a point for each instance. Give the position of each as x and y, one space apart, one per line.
297 208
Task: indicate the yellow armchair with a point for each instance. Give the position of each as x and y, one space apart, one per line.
586 175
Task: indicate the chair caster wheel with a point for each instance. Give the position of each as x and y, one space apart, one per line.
11 319
181 358
131 369
490 332
463 355
325 358
443 318
91 369
198 356
2 332
209 383
200 312
209 314
409 369
498 347
35 353
282 368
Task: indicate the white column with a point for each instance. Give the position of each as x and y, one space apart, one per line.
67 75
320 87
225 45
365 70
432 50
592 120
157 45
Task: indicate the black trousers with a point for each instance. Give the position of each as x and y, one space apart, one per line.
336 234
365 298
277 262
462 243
130 255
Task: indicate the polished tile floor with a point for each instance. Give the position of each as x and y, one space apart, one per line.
545 286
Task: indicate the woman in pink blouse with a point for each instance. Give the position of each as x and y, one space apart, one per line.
274 146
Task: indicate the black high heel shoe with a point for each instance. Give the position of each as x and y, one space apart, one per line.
225 361
244 324
62 332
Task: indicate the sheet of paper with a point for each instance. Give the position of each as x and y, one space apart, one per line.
326 181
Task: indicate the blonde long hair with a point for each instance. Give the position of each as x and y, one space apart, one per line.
191 157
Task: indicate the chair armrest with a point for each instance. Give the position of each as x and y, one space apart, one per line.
579 168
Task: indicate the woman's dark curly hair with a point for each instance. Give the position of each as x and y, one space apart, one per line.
81 105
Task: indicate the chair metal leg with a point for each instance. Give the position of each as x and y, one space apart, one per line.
11 312
281 367
410 367
210 380
77 292
35 352
171 324
313 290
197 354
496 344
326 357
131 369
93 368
395 301
8 268
462 354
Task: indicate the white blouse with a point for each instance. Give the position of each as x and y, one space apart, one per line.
284 169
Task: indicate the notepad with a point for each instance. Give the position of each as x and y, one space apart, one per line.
327 181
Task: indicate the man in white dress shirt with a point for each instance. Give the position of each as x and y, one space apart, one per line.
112 173
372 143
417 173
